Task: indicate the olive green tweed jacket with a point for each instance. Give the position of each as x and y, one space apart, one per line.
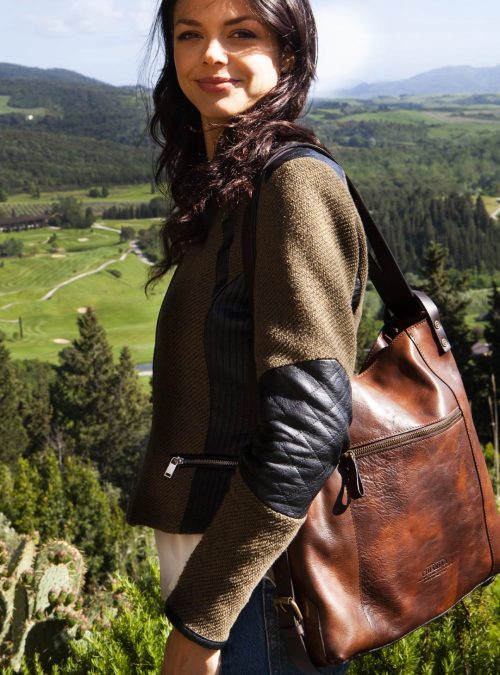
250 413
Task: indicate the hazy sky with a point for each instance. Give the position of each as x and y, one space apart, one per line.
360 40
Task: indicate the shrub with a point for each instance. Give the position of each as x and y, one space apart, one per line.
134 639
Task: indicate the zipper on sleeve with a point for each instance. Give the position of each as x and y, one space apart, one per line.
194 462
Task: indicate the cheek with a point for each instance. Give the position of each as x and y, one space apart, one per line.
264 74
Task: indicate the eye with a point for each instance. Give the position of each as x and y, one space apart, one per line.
244 34
188 35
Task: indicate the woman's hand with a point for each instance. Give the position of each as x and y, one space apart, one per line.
184 657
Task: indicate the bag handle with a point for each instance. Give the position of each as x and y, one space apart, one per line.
399 298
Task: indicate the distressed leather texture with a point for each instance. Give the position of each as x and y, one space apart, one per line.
426 532
304 416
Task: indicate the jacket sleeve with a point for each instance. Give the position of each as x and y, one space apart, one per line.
308 253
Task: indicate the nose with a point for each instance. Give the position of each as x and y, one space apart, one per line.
215 53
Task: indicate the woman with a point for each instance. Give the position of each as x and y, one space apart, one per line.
234 458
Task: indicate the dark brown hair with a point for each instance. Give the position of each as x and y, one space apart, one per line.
198 185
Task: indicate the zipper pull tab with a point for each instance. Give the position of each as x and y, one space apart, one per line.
354 482
174 463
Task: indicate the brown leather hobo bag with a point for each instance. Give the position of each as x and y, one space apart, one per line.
407 525
426 532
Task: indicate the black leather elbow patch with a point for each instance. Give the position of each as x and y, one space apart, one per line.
305 412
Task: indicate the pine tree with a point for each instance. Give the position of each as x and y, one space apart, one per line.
83 393
448 294
129 426
481 215
13 437
36 408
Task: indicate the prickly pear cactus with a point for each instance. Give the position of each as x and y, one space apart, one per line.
40 606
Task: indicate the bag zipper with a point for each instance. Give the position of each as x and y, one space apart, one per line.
199 463
349 458
401 439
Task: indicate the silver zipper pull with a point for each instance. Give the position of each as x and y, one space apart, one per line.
174 463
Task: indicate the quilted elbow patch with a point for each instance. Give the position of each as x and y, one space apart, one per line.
305 412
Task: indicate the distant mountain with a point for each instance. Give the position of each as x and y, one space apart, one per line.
11 70
448 80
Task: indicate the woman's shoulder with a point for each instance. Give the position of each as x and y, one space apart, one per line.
307 179
309 190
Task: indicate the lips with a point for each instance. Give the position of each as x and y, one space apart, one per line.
216 84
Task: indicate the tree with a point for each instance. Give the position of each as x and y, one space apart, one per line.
35 407
492 332
3 194
51 507
127 233
67 501
68 213
89 216
481 215
448 294
6 488
11 248
83 393
94 520
130 425
25 497
13 437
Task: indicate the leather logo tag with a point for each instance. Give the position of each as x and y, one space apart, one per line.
435 570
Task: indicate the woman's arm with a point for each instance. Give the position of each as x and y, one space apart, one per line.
309 250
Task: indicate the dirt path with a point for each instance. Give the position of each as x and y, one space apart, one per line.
133 244
98 226
54 290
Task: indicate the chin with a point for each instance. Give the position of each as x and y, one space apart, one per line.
221 113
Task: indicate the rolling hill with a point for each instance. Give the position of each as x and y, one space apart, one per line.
56 118
448 80
11 70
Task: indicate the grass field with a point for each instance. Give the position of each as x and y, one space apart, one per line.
5 109
491 203
440 123
121 194
128 317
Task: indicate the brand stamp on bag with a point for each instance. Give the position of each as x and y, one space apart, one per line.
435 570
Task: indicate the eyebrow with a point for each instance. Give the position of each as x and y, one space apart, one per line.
230 22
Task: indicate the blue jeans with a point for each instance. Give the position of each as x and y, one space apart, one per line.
254 646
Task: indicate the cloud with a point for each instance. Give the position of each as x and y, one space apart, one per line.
49 26
346 43
94 16
143 14
82 16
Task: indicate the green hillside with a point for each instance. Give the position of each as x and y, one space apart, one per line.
420 162
59 129
121 305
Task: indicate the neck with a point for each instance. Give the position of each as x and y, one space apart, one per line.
212 130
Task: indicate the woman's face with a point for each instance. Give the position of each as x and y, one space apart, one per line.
226 59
